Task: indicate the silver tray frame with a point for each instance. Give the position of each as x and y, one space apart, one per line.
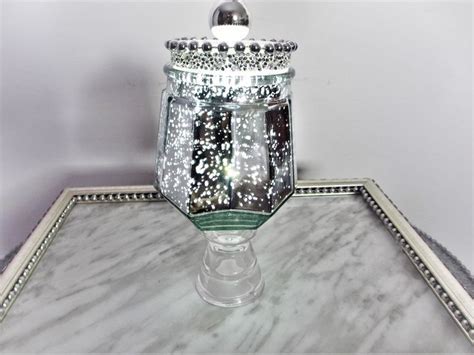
445 286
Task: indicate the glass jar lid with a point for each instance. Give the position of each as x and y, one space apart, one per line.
229 51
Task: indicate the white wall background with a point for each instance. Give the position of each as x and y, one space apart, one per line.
383 90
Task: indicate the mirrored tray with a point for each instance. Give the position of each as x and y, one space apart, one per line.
113 269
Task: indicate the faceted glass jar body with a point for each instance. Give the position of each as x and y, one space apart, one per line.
225 154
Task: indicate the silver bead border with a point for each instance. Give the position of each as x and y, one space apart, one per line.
423 269
425 272
8 300
119 197
334 189
25 274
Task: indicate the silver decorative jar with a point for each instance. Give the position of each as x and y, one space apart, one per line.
225 154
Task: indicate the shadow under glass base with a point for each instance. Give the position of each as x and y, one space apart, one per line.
229 275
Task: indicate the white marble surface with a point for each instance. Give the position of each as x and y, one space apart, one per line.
120 278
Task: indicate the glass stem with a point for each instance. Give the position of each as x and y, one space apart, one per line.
230 275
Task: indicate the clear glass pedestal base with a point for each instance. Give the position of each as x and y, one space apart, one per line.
230 275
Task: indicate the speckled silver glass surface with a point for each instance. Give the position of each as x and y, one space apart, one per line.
225 154
225 151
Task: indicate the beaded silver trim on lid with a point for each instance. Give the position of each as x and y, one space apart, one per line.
229 52
215 55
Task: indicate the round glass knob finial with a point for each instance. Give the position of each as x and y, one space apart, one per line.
229 21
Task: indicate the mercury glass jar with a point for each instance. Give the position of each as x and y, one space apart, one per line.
225 154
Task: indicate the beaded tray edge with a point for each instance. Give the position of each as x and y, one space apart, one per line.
447 289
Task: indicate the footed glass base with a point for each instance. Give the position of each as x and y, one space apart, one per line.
230 275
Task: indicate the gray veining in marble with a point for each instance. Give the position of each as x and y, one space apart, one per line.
120 278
